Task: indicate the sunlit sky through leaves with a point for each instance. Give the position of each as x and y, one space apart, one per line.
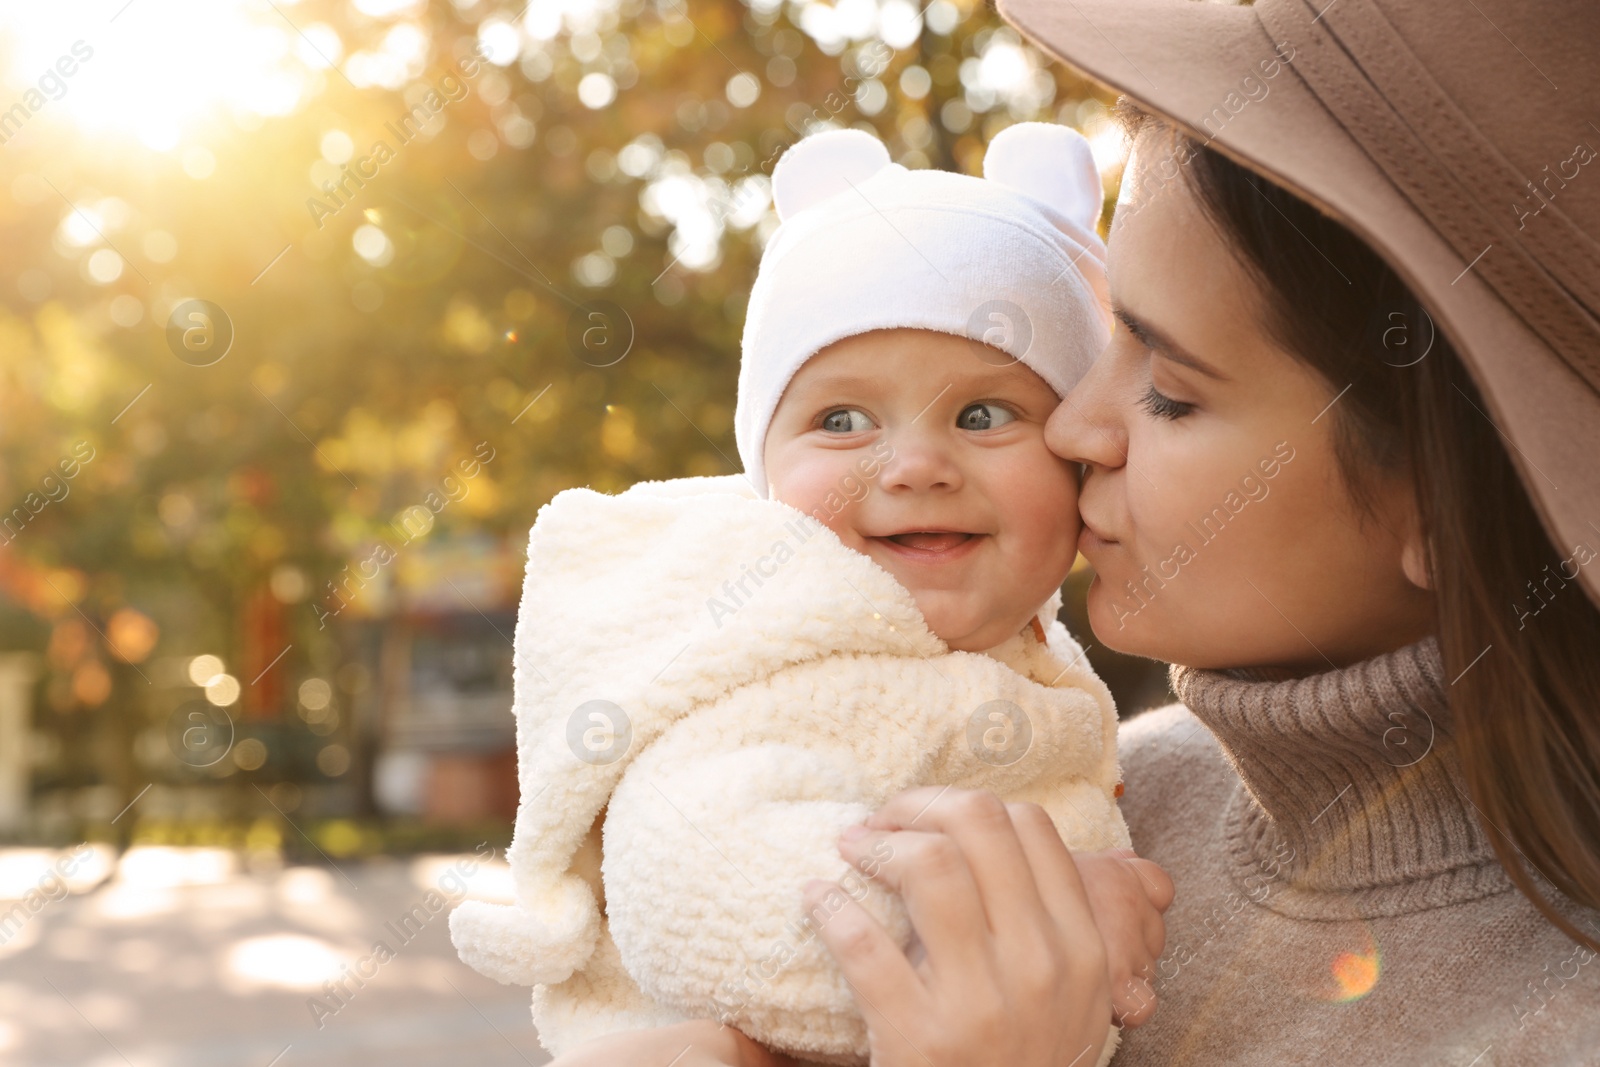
154 70
158 153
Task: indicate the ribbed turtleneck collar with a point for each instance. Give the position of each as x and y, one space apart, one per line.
1352 801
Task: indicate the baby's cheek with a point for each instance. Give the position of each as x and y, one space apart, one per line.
1043 501
827 492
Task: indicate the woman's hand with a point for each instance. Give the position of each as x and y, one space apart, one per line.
1014 972
691 1044
1128 896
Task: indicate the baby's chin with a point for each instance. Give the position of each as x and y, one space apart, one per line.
967 628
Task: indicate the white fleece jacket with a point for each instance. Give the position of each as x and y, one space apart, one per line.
708 688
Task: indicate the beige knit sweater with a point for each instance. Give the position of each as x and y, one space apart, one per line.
1337 902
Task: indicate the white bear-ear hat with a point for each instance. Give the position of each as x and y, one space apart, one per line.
1011 259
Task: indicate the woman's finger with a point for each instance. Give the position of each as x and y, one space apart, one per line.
696 1043
980 825
753 1054
1159 890
934 878
881 977
1133 1002
1066 898
969 1011
1155 937
905 809
1156 881
1060 884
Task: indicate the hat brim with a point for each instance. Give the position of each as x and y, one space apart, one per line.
1183 60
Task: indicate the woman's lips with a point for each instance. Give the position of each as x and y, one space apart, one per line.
1090 541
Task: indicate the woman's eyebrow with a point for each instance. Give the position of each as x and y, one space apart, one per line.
1163 345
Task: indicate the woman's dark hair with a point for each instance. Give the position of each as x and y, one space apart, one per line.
1526 715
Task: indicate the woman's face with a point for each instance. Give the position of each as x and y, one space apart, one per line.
1214 512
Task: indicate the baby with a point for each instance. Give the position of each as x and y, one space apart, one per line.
711 685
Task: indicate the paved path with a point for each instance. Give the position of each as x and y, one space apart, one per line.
189 958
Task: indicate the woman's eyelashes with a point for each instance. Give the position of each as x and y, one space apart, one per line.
1155 403
1160 406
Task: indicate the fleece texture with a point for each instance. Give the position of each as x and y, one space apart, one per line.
709 687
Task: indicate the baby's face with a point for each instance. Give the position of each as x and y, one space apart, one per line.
967 507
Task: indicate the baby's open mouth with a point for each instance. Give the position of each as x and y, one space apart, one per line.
931 540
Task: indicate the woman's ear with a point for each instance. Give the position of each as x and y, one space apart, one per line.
1415 559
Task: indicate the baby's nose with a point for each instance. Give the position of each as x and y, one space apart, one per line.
920 465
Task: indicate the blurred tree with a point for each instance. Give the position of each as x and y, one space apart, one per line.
436 232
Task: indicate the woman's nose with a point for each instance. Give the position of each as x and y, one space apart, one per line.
1089 426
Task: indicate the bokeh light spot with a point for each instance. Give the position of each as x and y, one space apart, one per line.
132 635
337 147
249 754
333 760
315 693
284 961
104 266
222 690
373 245
743 89
204 668
597 90
1355 974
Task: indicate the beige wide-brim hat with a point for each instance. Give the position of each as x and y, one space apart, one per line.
1461 141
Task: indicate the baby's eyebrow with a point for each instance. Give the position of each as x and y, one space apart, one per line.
842 383
997 377
842 388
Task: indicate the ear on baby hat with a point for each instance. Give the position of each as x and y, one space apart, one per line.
1050 163
822 165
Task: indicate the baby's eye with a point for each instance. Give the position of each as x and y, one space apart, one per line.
983 417
847 420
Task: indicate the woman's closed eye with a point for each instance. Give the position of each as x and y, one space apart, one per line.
984 417
846 420
1161 406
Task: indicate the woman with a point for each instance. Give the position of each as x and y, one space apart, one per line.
1361 514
